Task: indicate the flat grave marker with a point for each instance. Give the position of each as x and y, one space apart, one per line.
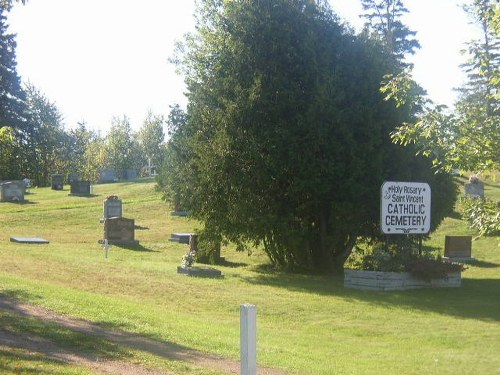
30 240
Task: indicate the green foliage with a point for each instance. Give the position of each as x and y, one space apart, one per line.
469 137
482 215
394 258
139 290
12 96
151 140
285 142
384 23
122 148
45 140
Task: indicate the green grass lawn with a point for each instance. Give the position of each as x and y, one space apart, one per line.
306 324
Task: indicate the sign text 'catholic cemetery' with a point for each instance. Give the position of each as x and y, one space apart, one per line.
405 207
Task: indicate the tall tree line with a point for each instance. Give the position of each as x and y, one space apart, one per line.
35 144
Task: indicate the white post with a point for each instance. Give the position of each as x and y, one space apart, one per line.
248 339
106 248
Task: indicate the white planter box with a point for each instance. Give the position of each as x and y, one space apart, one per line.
382 281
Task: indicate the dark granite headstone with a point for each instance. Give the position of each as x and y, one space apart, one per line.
119 230
72 177
458 247
80 188
57 182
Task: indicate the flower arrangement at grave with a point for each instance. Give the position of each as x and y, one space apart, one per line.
188 259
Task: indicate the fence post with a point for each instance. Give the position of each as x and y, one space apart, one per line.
248 339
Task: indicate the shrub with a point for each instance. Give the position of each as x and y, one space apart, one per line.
393 258
482 215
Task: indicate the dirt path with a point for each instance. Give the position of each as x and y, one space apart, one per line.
103 365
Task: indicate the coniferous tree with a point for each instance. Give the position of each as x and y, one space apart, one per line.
12 96
384 22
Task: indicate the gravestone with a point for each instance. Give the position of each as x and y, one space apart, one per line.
57 182
72 177
27 184
181 237
108 175
80 188
29 240
458 248
119 230
112 207
474 188
12 191
129 174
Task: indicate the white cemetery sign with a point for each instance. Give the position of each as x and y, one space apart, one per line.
405 207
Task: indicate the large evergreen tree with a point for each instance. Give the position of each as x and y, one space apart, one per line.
12 96
286 138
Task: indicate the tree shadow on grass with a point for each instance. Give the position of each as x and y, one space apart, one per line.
475 299
27 324
482 264
134 247
21 203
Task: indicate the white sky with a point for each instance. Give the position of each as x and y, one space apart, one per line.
97 59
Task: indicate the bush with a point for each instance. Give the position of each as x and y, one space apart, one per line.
482 215
394 258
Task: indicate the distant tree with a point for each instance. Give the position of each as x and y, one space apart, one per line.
44 141
285 142
7 4
12 96
469 137
384 22
122 147
176 158
10 167
151 138
79 141
95 159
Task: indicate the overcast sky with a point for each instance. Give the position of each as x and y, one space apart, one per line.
97 59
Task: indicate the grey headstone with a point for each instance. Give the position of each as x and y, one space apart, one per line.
108 175
112 207
12 191
475 189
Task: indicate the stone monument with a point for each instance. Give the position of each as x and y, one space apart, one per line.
119 230
108 175
12 191
112 207
57 182
474 188
80 188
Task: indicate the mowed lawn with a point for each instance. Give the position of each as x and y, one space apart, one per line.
306 324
